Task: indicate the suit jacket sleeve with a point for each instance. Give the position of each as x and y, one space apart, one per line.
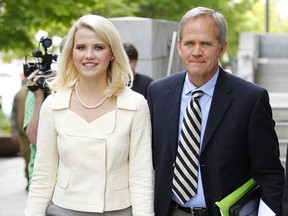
264 151
285 192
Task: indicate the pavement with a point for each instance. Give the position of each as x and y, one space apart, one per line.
13 194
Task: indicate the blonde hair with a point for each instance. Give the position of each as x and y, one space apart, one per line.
119 73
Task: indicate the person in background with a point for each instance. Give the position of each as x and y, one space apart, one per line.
227 67
33 103
94 154
18 133
237 135
141 81
34 100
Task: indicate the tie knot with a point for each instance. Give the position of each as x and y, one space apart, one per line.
197 93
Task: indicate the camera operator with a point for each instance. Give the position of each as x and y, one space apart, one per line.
38 99
34 100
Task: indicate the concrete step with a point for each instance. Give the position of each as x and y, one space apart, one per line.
283 146
280 114
279 104
282 130
283 149
283 162
276 82
278 99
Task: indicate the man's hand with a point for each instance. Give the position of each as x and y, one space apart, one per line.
32 82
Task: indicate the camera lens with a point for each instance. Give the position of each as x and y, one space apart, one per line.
46 42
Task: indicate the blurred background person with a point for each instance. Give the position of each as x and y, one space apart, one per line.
141 81
18 134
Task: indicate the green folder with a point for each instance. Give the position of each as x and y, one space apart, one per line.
226 203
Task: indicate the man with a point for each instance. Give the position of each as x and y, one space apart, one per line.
237 138
33 103
141 81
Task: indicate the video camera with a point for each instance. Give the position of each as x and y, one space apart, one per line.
44 66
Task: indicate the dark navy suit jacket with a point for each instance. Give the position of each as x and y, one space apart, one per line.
285 192
239 142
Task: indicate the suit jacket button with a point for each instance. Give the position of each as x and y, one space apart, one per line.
174 164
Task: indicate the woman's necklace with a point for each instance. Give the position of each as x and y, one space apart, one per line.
86 106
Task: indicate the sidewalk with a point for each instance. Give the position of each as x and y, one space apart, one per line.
12 186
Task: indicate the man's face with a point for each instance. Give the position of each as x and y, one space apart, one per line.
200 49
133 63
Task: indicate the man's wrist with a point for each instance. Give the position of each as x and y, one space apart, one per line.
33 88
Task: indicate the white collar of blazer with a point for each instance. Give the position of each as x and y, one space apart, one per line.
61 99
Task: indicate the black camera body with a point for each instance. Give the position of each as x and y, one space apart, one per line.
42 62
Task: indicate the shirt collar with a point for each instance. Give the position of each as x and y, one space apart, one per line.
207 88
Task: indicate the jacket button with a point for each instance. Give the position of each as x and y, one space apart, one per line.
174 164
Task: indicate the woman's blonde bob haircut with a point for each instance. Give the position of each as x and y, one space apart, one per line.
119 73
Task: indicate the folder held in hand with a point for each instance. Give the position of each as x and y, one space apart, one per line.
242 201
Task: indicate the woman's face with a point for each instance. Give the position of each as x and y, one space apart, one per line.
91 55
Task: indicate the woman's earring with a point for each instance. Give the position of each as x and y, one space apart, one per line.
112 58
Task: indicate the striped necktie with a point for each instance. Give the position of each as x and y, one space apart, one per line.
186 168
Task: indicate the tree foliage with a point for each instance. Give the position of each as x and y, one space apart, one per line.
21 19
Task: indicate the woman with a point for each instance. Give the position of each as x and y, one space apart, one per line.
94 138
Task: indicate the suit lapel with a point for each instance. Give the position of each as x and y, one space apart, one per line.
173 98
220 104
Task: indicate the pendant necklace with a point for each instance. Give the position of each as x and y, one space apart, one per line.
86 106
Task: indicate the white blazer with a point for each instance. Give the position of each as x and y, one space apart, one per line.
100 166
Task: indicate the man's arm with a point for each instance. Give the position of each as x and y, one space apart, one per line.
33 105
32 127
